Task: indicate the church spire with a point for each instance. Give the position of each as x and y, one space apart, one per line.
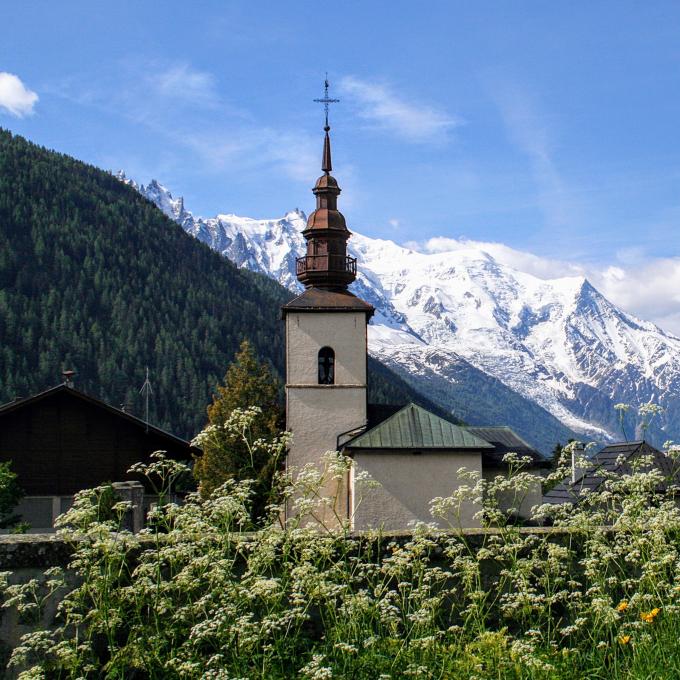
326 264
326 164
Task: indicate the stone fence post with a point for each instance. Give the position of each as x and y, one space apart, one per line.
134 493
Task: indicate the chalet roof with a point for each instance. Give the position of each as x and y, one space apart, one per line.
317 299
18 404
616 459
412 427
505 440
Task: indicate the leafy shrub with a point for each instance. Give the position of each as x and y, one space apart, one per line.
202 595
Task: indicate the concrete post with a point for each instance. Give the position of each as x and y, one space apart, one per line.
134 493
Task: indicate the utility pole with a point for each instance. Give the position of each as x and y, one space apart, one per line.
146 391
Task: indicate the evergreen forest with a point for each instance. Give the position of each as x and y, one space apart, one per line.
95 278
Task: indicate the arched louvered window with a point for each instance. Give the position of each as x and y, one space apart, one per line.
326 366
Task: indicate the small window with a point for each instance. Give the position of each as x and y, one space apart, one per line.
326 366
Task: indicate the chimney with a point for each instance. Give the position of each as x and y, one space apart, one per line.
68 378
577 467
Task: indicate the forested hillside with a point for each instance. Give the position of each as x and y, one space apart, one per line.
95 278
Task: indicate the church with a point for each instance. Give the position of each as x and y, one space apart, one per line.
413 454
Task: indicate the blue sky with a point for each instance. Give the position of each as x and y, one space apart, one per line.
549 127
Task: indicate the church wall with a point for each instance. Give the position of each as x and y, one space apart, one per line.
317 414
315 417
307 333
408 483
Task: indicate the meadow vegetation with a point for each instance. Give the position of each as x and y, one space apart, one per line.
206 593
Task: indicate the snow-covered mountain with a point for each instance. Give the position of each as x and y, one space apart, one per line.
450 317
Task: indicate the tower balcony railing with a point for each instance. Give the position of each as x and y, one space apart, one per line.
326 263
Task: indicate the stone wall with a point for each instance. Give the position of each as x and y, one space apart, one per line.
29 556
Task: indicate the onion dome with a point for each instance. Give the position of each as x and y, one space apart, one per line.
326 264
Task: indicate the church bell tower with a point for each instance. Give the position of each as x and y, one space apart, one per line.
326 341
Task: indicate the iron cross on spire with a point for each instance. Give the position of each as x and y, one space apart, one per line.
326 101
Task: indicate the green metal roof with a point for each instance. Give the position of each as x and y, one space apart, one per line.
415 428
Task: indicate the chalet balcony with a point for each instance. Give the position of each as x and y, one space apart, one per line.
336 264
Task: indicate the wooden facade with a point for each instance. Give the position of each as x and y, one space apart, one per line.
62 441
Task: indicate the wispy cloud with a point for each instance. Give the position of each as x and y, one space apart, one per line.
182 82
380 105
15 98
233 139
528 129
250 148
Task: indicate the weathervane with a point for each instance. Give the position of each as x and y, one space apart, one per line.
326 101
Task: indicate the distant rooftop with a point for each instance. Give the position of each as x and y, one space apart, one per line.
612 459
17 404
506 440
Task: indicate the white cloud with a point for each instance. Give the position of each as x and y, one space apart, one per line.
188 84
542 267
378 104
15 97
295 154
648 288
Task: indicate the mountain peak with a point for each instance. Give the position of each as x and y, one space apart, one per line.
156 186
557 342
295 214
122 177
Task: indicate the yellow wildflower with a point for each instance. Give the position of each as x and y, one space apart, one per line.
648 617
624 639
622 606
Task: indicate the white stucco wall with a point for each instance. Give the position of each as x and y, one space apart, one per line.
317 414
408 483
308 332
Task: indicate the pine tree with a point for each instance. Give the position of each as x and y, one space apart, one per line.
95 278
248 382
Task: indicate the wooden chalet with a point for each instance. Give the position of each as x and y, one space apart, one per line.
62 441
